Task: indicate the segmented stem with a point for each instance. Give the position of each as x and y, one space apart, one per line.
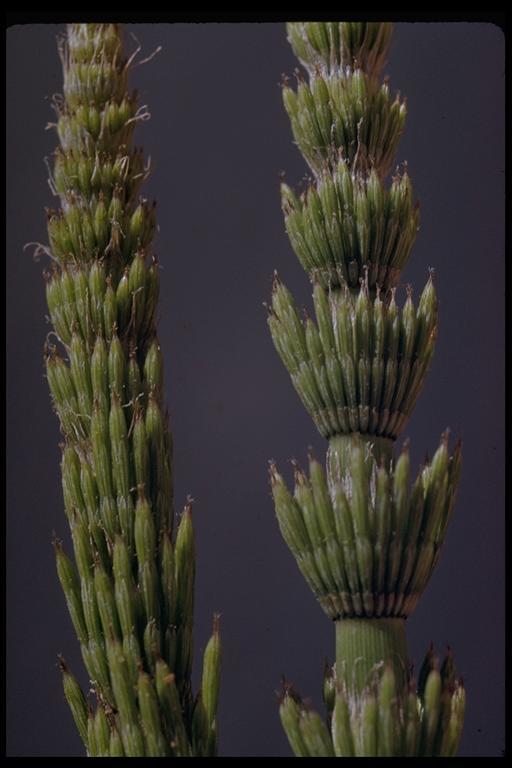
130 590
364 539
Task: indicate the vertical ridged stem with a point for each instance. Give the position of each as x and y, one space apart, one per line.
361 644
338 454
364 540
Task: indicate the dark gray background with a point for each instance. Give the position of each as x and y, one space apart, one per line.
218 138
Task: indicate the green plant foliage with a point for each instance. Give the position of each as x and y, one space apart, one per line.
384 720
365 538
130 590
347 227
331 46
362 366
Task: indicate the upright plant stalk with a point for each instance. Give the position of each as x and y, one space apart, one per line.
130 589
365 541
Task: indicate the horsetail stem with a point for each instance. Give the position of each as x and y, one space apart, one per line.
364 538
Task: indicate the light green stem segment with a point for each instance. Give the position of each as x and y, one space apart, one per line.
363 643
338 455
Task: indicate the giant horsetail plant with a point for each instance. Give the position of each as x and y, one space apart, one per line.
130 589
364 538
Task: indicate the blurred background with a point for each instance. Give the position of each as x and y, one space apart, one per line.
218 138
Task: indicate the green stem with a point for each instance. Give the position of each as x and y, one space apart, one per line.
338 455
363 643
